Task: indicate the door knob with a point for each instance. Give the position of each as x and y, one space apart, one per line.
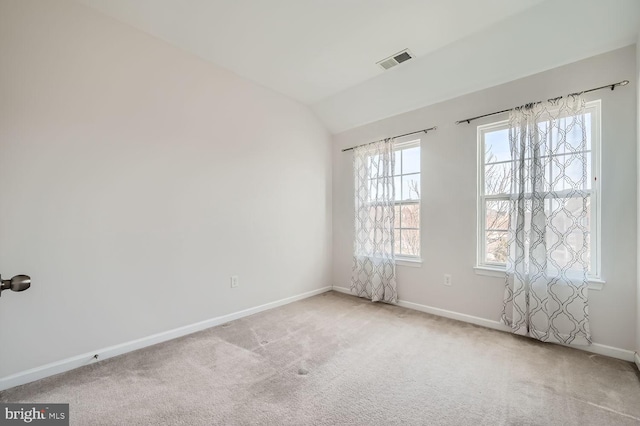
17 283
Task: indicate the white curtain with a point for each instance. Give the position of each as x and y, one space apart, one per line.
374 269
548 261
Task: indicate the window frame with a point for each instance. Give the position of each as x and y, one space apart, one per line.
595 193
408 142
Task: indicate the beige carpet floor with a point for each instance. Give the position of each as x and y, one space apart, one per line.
335 359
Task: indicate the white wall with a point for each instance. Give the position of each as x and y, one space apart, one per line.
449 195
533 40
135 179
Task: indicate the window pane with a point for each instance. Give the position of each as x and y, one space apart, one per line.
411 187
496 246
411 160
543 137
397 182
396 219
378 213
565 241
378 190
496 146
376 166
571 171
397 166
567 255
568 134
563 212
410 215
410 243
497 178
372 213
371 195
373 165
497 214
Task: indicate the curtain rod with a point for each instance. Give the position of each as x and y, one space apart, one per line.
399 136
612 86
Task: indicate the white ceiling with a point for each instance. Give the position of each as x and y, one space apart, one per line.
323 52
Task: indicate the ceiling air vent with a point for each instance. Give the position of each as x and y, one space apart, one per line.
395 59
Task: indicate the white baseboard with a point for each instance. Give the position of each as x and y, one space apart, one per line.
595 348
637 360
88 358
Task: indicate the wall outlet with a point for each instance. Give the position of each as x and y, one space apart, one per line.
447 279
234 281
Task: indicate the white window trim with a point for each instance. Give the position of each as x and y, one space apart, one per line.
411 262
498 270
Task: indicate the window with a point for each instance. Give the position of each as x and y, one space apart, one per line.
406 177
375 178
494 175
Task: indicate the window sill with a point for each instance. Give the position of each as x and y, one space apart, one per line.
410 262
595 283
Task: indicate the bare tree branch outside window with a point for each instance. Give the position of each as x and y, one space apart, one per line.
497 182
411 219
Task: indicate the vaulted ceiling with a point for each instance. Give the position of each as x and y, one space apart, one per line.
323 52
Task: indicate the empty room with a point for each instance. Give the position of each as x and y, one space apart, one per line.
319 212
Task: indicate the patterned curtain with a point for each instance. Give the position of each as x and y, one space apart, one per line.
548 261
374 268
